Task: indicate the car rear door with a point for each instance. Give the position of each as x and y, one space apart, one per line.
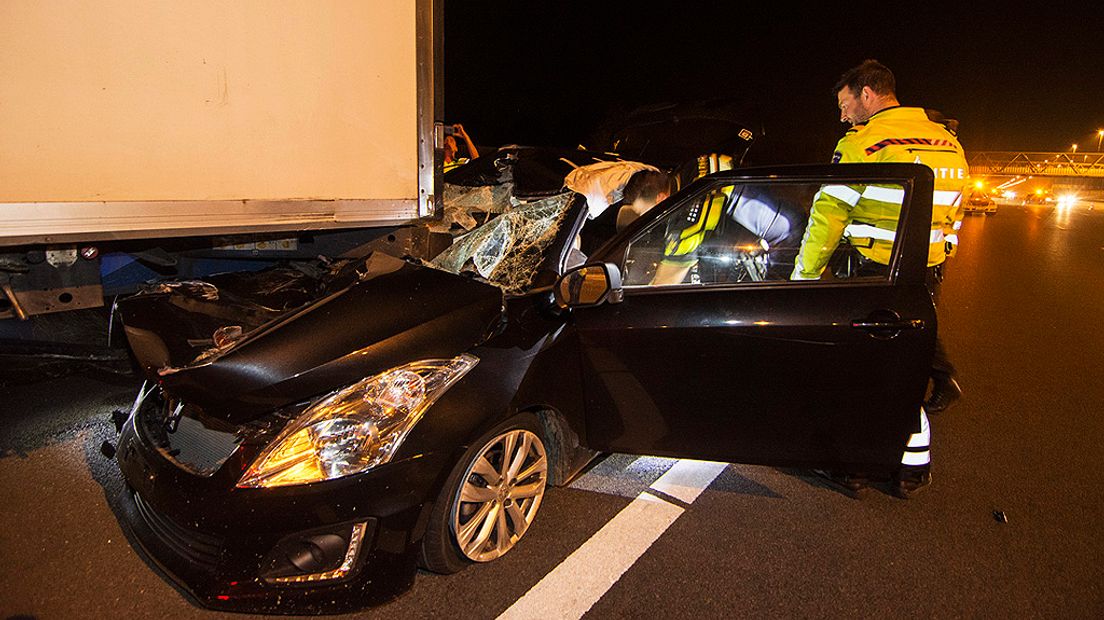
734 361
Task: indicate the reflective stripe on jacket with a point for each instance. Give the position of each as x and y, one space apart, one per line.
868 215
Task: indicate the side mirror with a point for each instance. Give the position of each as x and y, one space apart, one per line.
589 285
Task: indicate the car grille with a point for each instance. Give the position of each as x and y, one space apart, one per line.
199 445
198 547
198 449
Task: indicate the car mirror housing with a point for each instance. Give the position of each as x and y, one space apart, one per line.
589 285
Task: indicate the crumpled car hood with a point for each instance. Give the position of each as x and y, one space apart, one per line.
393 312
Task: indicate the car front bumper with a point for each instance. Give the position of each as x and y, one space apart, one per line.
217 542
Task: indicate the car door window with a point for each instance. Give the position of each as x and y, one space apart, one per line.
751 233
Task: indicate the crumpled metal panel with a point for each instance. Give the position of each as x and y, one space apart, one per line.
189 316
196 289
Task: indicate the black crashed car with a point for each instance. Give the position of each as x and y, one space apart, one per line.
309 435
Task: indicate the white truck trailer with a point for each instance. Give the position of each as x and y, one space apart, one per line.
254 128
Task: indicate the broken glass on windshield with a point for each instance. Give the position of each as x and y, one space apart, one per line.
508 249
463 204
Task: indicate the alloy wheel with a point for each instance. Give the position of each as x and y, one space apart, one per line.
501 492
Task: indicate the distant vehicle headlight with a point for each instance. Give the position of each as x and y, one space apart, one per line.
1067 200
355 428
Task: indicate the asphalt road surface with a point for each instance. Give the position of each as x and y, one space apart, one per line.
646 537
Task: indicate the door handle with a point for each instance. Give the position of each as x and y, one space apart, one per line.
885 324
898 324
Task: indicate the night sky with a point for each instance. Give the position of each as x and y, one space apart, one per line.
547 73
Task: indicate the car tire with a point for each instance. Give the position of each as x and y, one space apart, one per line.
490 499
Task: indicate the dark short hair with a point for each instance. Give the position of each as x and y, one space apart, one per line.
870 73
647 184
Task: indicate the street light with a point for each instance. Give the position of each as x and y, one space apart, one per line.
1099 137
1075 149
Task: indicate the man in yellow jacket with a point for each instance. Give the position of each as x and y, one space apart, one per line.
884 131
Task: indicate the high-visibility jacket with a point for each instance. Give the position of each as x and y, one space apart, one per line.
683 238
868 214
456 163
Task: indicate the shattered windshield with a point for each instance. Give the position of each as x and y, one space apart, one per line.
508 249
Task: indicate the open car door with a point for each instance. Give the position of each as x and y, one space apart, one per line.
715 353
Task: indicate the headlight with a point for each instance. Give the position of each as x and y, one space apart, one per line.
355 428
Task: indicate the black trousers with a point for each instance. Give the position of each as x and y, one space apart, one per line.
942 367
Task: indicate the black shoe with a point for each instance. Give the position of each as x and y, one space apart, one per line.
908 484
851 486
944 394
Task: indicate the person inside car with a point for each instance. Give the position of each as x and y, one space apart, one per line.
613 188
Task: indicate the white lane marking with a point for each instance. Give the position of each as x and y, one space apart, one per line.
623 474
573 587
687 479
